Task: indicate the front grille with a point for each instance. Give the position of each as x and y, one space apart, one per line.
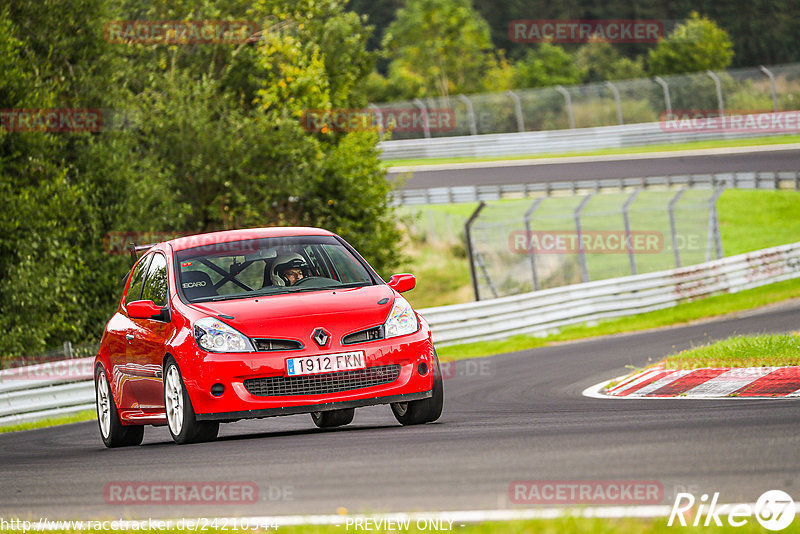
266 345
278 386
370 334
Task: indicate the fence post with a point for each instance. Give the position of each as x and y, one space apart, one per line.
667 101
581 249
425 127
68 349
672 226
482 265
531 254
470 255
568 101
718 85
627 222
616 101
473 129
517 110
766 71
713 223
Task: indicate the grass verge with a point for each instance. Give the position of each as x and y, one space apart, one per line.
682 313
668 147
86 415
767 350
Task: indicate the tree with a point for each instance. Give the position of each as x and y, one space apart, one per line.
600 61
544 66
695 46
219 144
440 46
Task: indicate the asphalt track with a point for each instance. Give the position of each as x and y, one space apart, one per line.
519 416
572 169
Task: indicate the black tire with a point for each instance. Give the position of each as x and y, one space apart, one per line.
181 421
112 431
425 410
333 418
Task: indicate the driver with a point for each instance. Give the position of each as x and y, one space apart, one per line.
288 269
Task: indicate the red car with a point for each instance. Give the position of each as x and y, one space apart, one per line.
257 323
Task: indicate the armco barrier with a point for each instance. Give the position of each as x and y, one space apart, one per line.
59 388
771 180
540 312
556 141
46 390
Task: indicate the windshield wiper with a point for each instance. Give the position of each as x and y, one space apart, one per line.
328 288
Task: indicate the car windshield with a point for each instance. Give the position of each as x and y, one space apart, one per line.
268 266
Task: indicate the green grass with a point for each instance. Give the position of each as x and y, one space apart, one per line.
752 220
669 147
682 313
768 350
565 525
86 415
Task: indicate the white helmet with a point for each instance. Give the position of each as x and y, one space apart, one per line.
284 262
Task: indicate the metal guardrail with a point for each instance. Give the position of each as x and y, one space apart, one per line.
476 193
540 312
46 390
64 387
570 140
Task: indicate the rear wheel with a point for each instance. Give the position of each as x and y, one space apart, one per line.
112 431
181 421
425 410
333 418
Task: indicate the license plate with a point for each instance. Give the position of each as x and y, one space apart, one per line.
327 363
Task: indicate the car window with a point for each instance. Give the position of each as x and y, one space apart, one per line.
347 267
137 279
155 285
250 268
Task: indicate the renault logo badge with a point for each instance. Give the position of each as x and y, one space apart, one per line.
321 337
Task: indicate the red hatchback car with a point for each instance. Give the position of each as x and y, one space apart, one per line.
258 323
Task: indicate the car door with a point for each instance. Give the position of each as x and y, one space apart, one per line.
146 348
123 329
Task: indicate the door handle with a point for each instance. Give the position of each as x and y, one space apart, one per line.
129 336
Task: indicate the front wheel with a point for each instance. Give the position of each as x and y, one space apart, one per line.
183 425
112 431
333 418
425 410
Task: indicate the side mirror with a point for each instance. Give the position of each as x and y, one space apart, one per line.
146 309
402 282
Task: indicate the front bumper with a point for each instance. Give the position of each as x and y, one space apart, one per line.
231 370
275 412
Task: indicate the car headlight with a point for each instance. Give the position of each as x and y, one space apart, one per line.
215 336
402 319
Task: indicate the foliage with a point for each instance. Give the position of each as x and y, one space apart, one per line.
216 143
440 46
546 65
696 46
600 61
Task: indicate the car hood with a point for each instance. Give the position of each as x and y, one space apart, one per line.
296 316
